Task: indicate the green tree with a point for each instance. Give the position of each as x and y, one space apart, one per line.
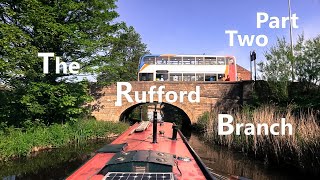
125 54
77 31
277 70
308 60
278 65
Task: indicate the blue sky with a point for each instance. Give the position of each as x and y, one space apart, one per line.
198 26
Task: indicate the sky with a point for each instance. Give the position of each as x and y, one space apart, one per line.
198 26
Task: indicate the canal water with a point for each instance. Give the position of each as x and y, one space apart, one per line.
50 164
59 163
230 163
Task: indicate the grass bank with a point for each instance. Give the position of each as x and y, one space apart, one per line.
302 149
17 142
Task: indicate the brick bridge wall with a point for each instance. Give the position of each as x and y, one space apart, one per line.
223 95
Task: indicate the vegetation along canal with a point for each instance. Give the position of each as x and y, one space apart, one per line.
58 163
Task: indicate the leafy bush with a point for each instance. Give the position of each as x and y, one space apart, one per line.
44 103
17 142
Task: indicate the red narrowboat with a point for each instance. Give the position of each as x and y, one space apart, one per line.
146 151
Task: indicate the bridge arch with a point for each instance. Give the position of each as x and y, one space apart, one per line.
126 109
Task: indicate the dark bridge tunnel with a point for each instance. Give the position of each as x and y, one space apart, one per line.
169 113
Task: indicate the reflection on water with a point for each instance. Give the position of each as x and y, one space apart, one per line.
226 162
51 164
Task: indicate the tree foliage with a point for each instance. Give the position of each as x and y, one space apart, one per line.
305 61
278 66
125 55
308 60
77 31
304 88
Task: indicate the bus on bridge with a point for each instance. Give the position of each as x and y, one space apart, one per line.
170 67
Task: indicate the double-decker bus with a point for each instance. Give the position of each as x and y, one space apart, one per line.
170 67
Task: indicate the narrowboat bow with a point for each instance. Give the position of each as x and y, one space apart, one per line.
146 151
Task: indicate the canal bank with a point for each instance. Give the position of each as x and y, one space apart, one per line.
21 142
298 152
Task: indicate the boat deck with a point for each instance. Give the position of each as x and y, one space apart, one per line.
143 141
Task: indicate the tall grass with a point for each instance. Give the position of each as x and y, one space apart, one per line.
301 149
16 142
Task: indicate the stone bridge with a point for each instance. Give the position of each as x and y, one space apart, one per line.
222 95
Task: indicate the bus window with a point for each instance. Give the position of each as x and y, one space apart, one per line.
221 61
220 77
161 75
230 60
175 77
200 77
189 77
199 60
175 60
162 60
149 60
210 77
210 60
188 60
146 77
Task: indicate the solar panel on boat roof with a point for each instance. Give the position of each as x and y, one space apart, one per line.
138 176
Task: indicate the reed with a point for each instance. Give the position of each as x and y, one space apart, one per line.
302 149
17 142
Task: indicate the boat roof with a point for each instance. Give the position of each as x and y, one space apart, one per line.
142 141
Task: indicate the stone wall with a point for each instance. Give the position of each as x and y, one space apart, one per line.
223 95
